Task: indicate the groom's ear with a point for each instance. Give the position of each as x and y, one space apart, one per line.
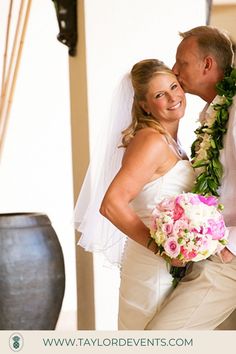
208 63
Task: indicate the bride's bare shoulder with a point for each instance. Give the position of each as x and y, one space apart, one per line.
148 137
147 144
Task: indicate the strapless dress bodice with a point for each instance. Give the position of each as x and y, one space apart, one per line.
178 179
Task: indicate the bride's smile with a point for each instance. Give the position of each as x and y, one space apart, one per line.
176 106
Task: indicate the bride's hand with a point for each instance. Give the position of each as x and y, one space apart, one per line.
174 261
177 263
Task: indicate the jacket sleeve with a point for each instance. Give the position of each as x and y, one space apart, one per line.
232 239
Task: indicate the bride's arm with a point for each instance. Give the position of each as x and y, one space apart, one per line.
146 154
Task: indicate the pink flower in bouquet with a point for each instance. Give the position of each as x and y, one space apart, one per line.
167 228
180 226
171 247
166 205
216 228
204 243
211 200
178 211
188 227
188 255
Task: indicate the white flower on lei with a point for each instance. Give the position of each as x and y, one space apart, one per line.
203 147
207 119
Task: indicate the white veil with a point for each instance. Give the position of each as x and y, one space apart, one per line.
97 233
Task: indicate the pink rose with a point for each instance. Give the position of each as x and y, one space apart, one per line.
167 204
202 229
211 200
188 255
178 212
216 228
179 226
167 228
171 247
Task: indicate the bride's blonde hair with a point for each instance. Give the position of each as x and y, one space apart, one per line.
141 75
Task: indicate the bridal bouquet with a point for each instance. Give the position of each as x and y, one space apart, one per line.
189 227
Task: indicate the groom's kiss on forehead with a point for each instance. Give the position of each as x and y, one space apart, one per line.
201 59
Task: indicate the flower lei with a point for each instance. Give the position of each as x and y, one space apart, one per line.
205 150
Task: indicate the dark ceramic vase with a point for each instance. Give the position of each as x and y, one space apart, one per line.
32 274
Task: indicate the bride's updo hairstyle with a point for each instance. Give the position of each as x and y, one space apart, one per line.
141 75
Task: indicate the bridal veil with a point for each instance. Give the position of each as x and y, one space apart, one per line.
97 233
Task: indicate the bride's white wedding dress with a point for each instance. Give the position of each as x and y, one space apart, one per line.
145 278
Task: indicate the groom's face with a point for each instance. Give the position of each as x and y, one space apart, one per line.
188 66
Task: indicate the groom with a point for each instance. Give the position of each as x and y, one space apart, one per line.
206 296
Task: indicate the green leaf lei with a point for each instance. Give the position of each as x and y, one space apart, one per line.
205 150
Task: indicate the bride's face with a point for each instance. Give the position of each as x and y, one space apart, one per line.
165 99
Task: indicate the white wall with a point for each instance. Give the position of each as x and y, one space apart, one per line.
35 171
118 34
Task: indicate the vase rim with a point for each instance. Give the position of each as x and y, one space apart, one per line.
23 219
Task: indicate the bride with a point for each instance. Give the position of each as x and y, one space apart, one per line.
153 167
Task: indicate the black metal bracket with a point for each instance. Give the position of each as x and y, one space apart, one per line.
66 11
